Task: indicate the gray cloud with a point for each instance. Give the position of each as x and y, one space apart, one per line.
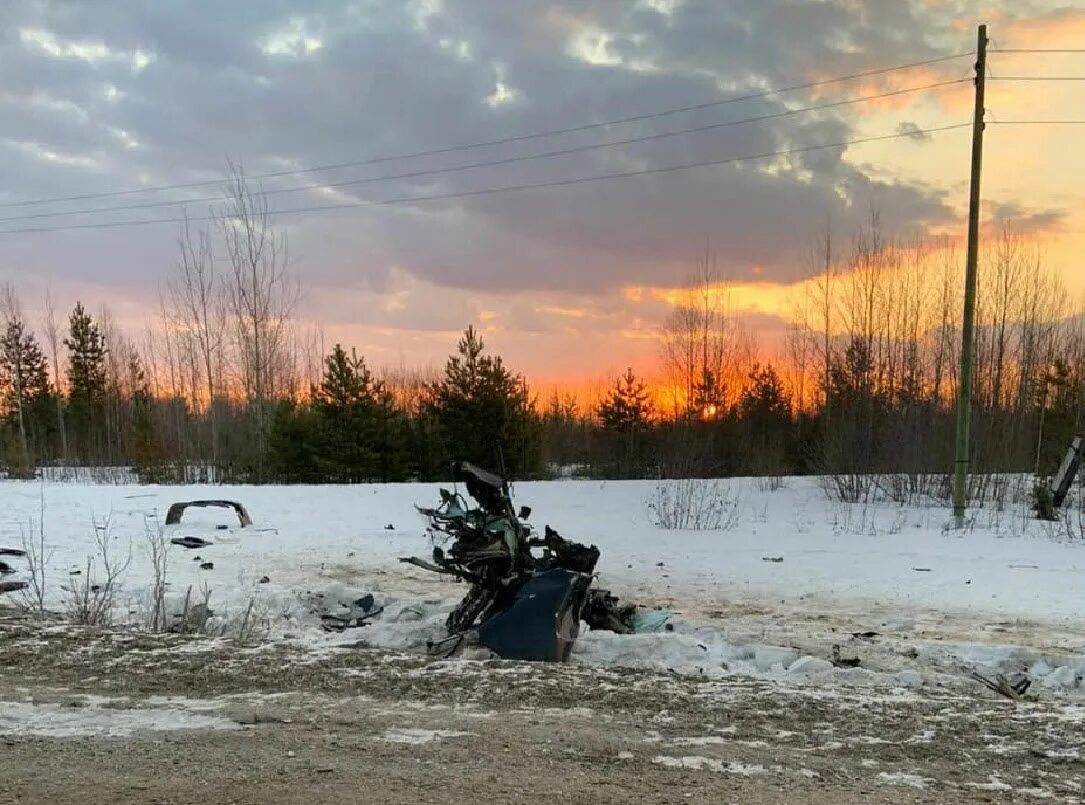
1023 220
120 93
913 132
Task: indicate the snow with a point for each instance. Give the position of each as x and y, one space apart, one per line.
95 721
810 665
420 736
313 546
903 778
711 764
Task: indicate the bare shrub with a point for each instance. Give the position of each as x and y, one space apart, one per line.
158 546
850 487
914 487
697 504
770 483
90 599
38 557
195 613
247 627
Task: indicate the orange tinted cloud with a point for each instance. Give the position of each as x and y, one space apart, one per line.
1065 26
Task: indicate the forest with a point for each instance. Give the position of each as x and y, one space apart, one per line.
226 386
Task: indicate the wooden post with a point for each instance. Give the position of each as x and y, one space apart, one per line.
964 387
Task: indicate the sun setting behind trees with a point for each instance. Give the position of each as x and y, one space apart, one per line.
754 256
229 384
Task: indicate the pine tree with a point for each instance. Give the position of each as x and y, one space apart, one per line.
24 386
764 421
86 381
361 434
764 402
347 382
709 399
484 412
293 446
144 449
627 406
625 413
854 444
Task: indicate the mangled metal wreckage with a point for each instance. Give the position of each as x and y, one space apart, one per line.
527 594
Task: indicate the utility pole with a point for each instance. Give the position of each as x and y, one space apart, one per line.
964 385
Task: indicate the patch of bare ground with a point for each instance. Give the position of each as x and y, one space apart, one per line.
362 725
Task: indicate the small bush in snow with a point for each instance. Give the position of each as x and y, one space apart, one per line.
90 597
697 504
850 487
770 483
38 557
158 544
195 612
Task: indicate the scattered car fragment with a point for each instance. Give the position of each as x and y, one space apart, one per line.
190 542
520 605
173 515
7 569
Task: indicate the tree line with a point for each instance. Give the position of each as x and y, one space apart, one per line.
226 386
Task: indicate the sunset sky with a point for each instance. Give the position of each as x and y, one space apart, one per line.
567 282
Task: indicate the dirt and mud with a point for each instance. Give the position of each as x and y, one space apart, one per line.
365 725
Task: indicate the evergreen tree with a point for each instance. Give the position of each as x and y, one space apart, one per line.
709 397
764 419
625 414
566 434
294 444
854 445
361 434
484 412
764 405
86 381
627 407
144 449
1059 408
25 394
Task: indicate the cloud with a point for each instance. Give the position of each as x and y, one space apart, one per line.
913 132
100 96
1024 220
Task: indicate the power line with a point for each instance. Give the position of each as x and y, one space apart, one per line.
508 188
1038 122
503 161
504 140
1036 50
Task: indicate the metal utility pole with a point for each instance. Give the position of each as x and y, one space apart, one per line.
964 386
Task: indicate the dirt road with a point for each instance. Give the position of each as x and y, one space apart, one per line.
366 726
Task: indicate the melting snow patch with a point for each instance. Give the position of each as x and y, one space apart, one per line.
994 784
903 778
867 740
1038 793
701 740
57 721
711 764
420 736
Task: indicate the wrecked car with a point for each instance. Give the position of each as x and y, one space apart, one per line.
527 593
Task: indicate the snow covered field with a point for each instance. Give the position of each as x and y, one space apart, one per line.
794 574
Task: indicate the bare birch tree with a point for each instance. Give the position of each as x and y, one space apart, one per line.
261 294
52 336
197 307
701 342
